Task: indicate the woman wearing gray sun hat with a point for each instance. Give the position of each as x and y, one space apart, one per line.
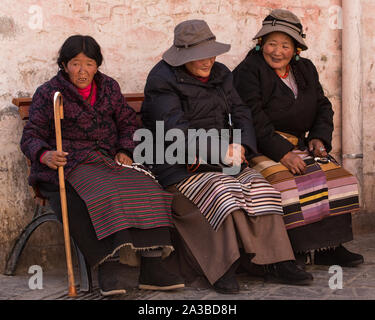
222 220
294 123
193 40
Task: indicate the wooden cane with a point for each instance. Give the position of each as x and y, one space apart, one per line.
59 114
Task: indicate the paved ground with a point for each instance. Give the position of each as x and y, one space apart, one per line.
357 284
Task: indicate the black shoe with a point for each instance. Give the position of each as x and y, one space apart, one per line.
302 259
252 269
289 273
228 284
337 256
154 275
112 278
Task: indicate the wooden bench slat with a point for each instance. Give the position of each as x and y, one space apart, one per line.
133 99
21 101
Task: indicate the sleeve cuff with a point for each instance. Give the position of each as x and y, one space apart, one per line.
43 152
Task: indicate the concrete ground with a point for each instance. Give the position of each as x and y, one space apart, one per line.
357 284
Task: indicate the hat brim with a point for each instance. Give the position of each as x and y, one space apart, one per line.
267 29
179 56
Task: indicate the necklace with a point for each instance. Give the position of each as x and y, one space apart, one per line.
286 72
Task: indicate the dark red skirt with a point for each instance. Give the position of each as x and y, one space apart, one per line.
119 198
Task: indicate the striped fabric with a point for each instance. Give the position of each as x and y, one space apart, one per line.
324 190
118 198
217 195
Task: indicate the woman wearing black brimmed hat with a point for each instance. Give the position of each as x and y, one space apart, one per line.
222 220
293 122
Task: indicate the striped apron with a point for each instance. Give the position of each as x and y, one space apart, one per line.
217 195
118 198
324 190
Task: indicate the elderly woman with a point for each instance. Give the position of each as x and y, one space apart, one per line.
219 217
110 206
293 122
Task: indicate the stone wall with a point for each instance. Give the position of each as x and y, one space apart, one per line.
133 35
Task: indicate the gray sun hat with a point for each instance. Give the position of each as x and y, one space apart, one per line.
283 21
193 40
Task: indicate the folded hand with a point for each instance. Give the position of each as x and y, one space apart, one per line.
235 155
122 158
54 159
316 146
294 163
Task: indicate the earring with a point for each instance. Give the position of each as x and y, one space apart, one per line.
298 51
257 47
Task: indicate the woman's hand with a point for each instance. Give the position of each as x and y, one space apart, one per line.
316 146
294 163
235 155
122 158
54 159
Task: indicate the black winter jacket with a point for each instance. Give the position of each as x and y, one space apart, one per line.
274 107
174 96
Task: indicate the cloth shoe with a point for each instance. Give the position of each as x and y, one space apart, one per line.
302 259
228 284
337 256
154 275
112 278
289 273
252 269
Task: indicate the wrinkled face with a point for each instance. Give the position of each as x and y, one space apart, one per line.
81 70
278 50
201 68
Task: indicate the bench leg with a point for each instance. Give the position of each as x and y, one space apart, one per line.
10 268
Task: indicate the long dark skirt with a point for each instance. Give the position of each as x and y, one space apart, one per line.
202 251
83 233
329 232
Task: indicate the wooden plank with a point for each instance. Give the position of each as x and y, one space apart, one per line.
133 99
134 96
21 101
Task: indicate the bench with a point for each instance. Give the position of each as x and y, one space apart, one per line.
134 100
44 213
